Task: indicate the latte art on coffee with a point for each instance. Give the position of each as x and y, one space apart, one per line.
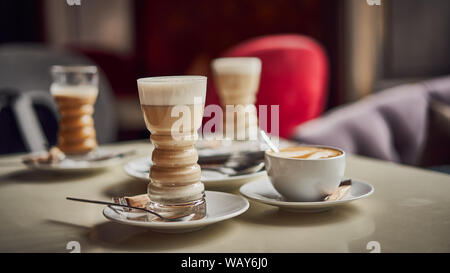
306 152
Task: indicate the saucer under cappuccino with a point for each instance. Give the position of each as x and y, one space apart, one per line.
305 173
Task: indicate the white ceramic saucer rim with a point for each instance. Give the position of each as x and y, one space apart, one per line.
130 172
274 202
96 165
187 224
90 165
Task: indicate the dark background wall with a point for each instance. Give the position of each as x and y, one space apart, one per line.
418 38
20 21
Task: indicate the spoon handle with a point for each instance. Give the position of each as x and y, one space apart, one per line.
112 204
222 170
269 142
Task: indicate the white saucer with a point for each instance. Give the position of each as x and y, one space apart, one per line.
138 168
220 206
80 165
216 148
263 191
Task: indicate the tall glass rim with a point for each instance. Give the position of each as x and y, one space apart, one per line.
172 79
236 60
81 69
250 59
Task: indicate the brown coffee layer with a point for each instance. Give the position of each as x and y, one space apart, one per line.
236 88
180 175
78 148
175 165
185 156
175 174
176 141
71 123
76 135
76 126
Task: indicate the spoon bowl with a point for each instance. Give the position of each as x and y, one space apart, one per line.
111 205
236 171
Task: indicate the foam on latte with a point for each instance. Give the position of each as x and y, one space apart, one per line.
180 90
237 65
74 91
306 152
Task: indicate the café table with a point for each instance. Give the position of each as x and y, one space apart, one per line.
408 212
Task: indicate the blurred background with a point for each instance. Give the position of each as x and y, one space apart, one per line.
401 48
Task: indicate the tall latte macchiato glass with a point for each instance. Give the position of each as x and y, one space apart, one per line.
237 81
75 90
173 111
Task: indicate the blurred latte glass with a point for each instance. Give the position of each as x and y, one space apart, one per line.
175 188
75 90
237 82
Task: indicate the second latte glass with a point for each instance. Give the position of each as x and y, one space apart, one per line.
173 110
237 82
75 90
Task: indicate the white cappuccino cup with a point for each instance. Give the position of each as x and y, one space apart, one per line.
305 173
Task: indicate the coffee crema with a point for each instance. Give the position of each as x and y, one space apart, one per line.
308 152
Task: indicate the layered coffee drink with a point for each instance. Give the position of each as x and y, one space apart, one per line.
75 90
308 152
237 82
173 110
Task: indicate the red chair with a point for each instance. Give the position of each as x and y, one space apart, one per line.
294 75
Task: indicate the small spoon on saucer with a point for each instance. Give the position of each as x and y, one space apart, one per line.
106 156
235 171
165 219
340 192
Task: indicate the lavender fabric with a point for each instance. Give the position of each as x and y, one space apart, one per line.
389 125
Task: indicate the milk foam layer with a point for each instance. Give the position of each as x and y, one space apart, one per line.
237 65
309 153
74 91
172 90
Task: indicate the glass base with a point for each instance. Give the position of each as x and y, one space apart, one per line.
198 208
